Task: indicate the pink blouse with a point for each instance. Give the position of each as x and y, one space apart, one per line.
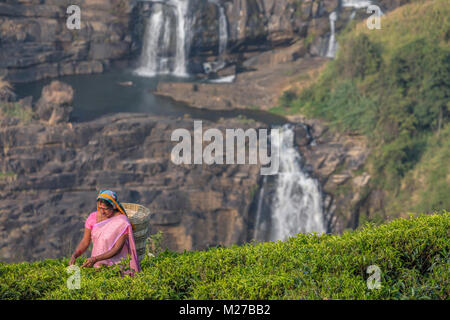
92 219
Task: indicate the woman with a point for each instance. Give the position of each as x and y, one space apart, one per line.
111 233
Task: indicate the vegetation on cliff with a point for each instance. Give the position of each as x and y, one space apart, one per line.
393 86
9 107
409 257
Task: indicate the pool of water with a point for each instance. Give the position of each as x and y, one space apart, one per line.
100 94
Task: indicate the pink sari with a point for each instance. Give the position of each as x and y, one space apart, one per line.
106 233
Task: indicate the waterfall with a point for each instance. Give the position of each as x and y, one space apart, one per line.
258 228
223 28
357 4
223 32
223 40
182 46
149 59
158 57
296 205
332 44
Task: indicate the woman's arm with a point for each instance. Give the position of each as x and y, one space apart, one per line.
108 254
84 244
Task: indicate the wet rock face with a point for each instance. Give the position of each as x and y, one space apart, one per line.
336 160
255 25
37 44
51 176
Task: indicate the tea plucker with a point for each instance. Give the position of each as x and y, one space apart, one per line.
111 233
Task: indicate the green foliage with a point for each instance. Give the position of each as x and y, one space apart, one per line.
392 86
412 254
244 120
154 244
425 188
420 71
360 57
287 98
7 175
278 110
16 110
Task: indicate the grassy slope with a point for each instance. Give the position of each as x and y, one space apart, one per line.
413 256
390 85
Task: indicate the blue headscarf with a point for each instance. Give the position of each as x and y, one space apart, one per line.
111 197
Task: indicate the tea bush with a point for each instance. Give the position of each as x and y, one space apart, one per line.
413 256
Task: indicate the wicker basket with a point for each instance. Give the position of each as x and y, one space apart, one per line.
140 217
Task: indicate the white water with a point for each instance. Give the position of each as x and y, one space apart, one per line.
256 232
297 204
223 32
332 44
223 41
357 4
227 79
182 45
149 59
223 28
154 59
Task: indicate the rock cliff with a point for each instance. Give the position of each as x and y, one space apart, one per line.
35 42
50 176
51 170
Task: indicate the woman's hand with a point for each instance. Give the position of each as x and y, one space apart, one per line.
89 262
84 244
72 260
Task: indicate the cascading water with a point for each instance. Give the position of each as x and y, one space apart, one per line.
223 29
257 231
332 44
182 45
357 4
150 65
157 57
296 204
223 41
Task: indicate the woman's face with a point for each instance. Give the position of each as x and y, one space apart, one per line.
106 211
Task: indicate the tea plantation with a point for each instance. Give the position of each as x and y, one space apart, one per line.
412 259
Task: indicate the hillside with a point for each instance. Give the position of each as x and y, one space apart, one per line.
413 257
392 86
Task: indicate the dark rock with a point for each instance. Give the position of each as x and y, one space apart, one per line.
302 136
6 93
36 44
58 172
228 71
